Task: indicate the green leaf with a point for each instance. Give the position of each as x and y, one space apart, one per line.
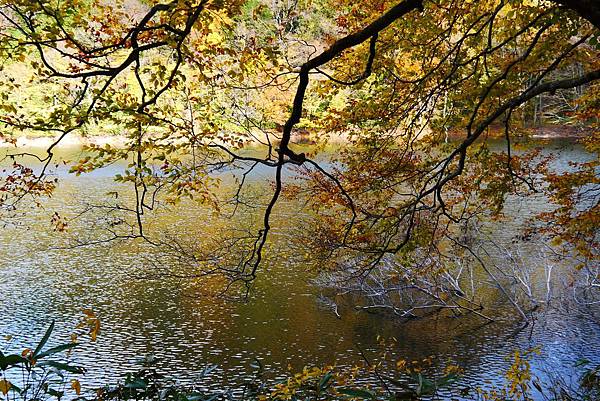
136 383
56 349
11 360
63 366
424 385
44 340
194 397
324 383
55 393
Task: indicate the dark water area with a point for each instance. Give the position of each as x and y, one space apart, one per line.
282 324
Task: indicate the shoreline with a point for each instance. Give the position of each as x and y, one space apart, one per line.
496 131
119 141
69 141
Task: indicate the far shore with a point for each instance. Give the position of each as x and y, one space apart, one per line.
68 141
119 141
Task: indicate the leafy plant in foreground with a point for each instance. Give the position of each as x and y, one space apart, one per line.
38 376
41 372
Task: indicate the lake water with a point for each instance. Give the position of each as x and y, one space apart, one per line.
283 323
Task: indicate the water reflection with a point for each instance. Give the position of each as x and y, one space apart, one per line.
282 324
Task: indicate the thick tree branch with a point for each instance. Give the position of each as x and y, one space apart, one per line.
587 9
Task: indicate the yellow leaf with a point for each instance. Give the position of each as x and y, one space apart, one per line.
4 386
95 330
214 38
75 385
89 312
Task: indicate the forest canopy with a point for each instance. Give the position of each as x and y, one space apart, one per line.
412 92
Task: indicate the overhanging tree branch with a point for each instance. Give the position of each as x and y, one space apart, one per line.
347 42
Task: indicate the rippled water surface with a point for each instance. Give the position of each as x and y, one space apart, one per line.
283 323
